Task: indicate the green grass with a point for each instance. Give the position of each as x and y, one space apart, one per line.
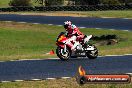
60 83
20 41
4 3
27 42
112 13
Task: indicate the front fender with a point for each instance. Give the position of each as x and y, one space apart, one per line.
62 46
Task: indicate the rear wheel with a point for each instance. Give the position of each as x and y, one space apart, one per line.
63 55
92 54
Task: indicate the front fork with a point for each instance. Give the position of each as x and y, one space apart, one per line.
63 50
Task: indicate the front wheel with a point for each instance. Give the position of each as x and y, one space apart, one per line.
92 54
63 55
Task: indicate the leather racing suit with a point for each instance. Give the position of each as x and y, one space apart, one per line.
73 34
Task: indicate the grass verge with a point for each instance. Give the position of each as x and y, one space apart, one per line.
60 83
4 3
28 41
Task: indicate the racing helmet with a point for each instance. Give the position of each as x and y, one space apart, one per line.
67 24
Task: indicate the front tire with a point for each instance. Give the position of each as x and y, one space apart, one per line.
63 56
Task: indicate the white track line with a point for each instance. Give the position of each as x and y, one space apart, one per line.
59 25
22 22
53 58
5 81
18 80
125 30
111 29
98 28
108 17
36 79
101 56
28 59
129 73
114 55
13 60
127 54
2 61
65 77
50 78
50 24
8 21
126 18
115 17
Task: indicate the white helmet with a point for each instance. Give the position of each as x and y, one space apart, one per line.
67 23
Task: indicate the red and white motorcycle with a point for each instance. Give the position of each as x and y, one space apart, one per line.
64 51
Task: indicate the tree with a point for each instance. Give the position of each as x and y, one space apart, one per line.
42 2
91 2
122 1
110 2
128 1
50 2
87 2
20 3
125 1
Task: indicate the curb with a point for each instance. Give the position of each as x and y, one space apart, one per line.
36 79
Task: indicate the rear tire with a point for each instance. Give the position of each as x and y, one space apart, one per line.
63 57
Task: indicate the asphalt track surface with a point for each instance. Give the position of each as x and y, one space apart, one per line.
110 23
55 68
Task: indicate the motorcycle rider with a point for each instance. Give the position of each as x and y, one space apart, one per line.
73 34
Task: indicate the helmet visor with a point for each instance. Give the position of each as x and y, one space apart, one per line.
65 26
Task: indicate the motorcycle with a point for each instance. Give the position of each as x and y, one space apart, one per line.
64 51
